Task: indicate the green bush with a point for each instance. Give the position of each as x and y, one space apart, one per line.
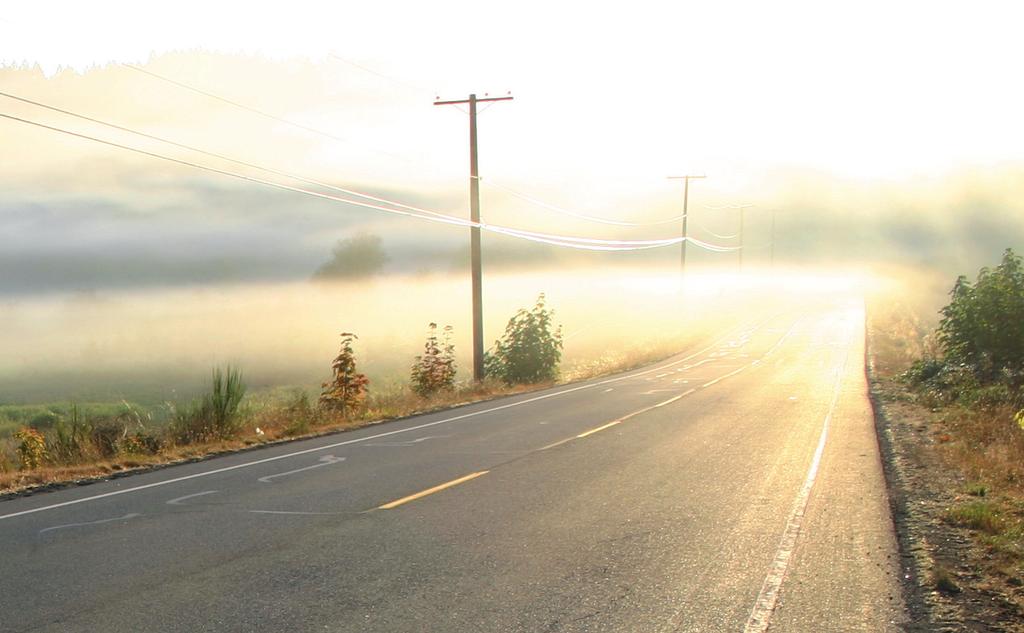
939 383
982 328
435 369
530 350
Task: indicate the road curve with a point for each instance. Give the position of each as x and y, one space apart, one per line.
735 487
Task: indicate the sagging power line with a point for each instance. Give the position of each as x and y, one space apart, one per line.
557 240
533 200
582 216
547 238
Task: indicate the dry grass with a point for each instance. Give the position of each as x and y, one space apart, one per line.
268 423
983 444
987 445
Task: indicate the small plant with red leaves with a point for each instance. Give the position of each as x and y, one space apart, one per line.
435 369
347 391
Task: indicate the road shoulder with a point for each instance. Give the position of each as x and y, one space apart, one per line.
942 587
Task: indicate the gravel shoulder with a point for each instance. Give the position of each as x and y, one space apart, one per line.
945 582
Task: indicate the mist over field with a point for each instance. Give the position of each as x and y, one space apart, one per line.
159 345
122 276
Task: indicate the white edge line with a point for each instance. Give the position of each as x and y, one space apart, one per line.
357 440
287 513
764 606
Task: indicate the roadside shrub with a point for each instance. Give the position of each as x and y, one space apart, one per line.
531 348
69 438
301 415
44 420
347 390
982 328
215 416
7 464
923 371
107 437
31 448
142 443
435 369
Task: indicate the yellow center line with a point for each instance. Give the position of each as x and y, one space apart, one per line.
721 378
600 428
660 404
430 491
558 443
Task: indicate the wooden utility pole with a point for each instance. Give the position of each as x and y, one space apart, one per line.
742 208
474 233
686 200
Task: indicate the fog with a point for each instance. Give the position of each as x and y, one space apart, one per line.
161 345
122 275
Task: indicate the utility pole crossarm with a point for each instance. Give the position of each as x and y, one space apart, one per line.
478 100
743 208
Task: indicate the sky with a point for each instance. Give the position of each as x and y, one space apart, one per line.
886 110
876 88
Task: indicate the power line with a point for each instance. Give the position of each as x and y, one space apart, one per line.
274 117
718 235
507 230
581 216
714 248
722 207
404 84
235 103
558 240
570 241
220 156
307 128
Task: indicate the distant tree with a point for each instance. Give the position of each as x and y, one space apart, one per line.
358 256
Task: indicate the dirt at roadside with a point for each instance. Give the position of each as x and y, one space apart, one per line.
935 553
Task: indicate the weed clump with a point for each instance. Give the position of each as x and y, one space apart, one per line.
944 580
301 414
434 370
976 515
346 392
215 416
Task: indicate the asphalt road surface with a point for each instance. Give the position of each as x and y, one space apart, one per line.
735 487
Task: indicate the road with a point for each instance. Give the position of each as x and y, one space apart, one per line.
735 487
